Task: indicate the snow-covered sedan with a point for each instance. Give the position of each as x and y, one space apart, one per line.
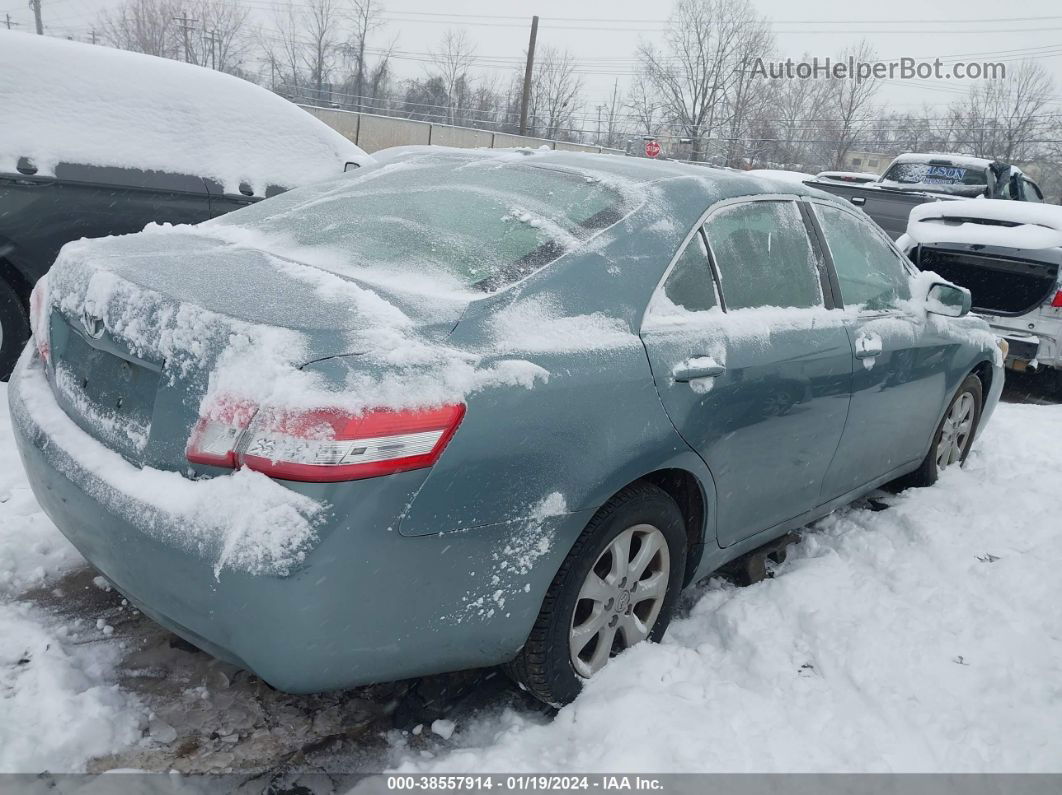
468 409
97 141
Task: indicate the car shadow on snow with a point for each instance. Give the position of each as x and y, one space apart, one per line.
204 715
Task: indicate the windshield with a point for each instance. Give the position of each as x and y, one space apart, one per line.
482 221
936 174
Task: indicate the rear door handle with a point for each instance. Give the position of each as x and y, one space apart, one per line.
867 345
686 373
859 201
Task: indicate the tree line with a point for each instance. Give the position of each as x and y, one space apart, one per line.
695 90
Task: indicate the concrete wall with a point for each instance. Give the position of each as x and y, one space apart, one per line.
372 133
463 137
380 132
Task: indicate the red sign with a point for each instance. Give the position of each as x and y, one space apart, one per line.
652 149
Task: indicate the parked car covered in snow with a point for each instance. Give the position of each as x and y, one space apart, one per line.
97 141
476 408
1010 258
912 179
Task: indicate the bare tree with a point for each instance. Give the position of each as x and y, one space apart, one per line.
454 57
147 26
223 43
284 50
799 109
850 105
701 62
320 40
644 105
366 18
1004 118
615 122
745 95
555 93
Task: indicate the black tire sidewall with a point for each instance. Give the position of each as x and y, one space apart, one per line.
16 331
651 506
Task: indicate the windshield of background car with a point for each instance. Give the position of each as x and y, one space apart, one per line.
935 174
484 222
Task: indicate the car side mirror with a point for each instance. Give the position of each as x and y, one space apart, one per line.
948 300
351 167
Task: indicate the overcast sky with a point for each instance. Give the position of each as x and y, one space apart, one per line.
604 34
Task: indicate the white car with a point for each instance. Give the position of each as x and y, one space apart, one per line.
1009 255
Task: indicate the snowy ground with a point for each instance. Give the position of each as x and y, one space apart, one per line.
925 636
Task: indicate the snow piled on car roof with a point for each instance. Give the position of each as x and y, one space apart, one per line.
66 102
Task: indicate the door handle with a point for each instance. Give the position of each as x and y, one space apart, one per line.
692 371
859 201
868 345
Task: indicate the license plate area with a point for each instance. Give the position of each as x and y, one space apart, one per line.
108 393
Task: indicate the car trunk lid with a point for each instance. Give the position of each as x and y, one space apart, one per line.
141 328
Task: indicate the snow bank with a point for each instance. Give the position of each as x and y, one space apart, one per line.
1010 224
60 704
77 103
925 637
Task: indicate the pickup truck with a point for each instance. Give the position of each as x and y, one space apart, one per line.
913 179
101 142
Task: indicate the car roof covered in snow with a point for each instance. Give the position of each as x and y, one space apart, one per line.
715 182
965 161
67 102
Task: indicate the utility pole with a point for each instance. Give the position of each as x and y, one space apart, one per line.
36 6
186 28
525 99
8 22
212 37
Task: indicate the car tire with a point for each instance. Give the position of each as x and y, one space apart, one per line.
608 610
14 329
950 443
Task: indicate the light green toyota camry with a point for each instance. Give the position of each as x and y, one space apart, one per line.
462 409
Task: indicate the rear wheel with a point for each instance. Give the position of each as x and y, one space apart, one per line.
954 435
617 588
14 329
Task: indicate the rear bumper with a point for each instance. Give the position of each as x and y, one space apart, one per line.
366 604
1042 344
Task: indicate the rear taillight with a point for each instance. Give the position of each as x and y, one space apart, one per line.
324 445
40 311
1057 300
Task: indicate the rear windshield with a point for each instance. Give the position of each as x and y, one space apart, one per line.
484 222
935 174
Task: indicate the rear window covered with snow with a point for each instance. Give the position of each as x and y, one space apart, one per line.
484 223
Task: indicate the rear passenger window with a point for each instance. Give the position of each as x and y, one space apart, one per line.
690 284
869 272
764 256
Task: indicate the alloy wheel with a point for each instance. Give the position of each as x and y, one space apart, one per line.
956 430
620 599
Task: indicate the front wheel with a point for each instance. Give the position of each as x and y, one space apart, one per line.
617 587
954 435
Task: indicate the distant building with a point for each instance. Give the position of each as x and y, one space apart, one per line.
866 162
